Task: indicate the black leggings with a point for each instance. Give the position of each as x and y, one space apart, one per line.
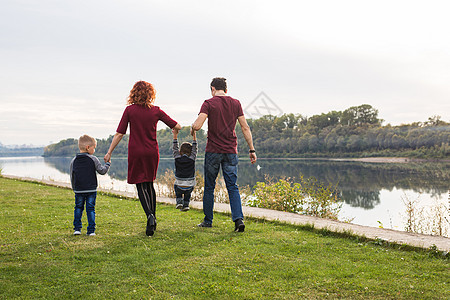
147 196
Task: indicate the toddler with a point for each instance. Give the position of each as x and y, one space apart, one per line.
184 170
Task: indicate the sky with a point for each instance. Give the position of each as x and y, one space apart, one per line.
66 67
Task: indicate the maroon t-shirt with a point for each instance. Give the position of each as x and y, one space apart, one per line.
222 112
143 151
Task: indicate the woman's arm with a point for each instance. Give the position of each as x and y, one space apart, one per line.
116 139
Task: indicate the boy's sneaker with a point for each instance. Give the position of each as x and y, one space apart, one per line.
151 225
76 232
239 225
179 206
185 208
90 234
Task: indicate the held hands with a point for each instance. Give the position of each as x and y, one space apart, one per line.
175 133
194 135
107 158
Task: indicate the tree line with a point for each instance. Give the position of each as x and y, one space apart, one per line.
354 132
6 151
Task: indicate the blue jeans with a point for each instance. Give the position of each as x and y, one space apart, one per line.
229 163
80 200
183 194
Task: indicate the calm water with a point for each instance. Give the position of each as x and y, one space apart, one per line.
371 193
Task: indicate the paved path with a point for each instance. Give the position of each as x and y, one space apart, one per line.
392 236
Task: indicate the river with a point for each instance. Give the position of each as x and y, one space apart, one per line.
372 194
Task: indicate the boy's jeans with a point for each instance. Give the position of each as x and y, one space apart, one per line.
80 200
229 163
183 194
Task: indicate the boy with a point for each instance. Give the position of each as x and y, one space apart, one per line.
84 182
184 170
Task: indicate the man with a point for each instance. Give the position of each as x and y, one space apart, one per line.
222 111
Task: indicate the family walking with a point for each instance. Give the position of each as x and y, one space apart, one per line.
142 116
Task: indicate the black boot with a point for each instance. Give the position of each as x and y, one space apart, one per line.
151 225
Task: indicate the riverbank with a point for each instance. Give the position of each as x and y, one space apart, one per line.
368 159
41 258
373 233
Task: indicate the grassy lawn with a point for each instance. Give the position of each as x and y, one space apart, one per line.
40 258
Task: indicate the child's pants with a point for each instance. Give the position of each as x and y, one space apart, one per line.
80 200
183 194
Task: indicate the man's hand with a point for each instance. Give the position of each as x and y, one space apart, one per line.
253 157
107 158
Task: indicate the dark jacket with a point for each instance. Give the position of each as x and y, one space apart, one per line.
83 168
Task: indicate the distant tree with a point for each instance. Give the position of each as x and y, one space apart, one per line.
293 121
324 120
435 121
360 115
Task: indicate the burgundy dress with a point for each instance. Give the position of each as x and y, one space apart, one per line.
143 151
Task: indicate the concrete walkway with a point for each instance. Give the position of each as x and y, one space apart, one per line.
392 236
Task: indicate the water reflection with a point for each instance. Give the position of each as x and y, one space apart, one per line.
359 183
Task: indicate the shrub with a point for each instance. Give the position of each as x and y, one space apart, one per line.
427 219
308 197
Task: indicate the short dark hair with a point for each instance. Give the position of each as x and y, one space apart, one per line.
186 148
219 83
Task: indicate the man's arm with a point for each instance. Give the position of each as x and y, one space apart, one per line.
248 137
197 125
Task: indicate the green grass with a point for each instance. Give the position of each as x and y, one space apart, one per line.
40 258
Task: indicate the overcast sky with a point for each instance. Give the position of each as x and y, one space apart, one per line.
66 67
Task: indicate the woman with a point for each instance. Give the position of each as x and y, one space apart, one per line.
143 152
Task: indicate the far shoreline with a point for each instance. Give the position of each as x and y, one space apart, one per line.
389 160
381 159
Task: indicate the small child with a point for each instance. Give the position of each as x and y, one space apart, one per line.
184 170
84 182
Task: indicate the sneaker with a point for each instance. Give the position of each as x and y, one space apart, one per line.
90 234
185 208
204 224
179 206
239 225
151 225
76 232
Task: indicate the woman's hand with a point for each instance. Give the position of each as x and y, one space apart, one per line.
175 133
116 139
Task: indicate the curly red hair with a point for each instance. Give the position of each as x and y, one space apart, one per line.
143 93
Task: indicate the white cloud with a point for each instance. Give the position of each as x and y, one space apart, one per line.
67 67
